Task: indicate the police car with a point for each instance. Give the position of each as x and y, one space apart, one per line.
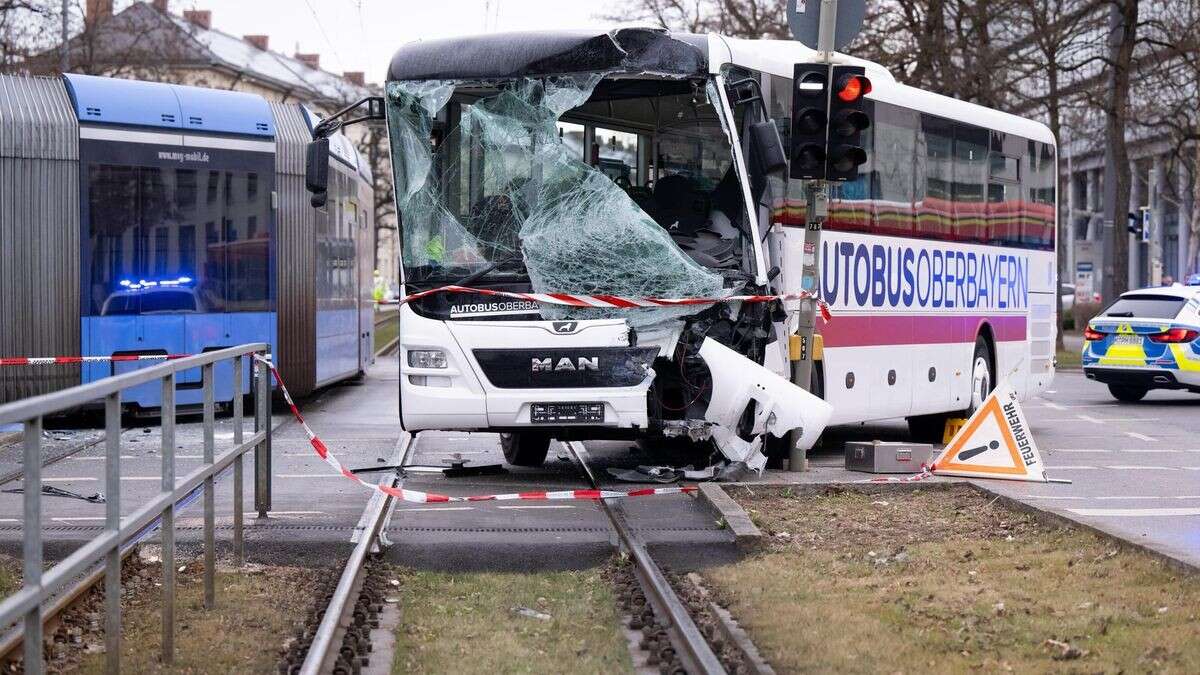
1148 339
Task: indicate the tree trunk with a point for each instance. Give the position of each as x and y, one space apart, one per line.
1054 109
1121 43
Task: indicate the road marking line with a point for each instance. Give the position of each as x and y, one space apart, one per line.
1141 437
436 508
1052 406
1064 497
11 520
141 477
100 458
1120 497
67 479
1054 450
67 520
1139 467
1149 450
545 506
1072 466
296 513
1134 513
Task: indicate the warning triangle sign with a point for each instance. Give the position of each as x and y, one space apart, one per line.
994 443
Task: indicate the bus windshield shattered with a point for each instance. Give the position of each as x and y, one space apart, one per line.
507 191
605 169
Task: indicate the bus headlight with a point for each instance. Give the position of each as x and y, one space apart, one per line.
427 358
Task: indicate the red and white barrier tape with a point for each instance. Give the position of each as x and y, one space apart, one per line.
618 302
68 360
432 497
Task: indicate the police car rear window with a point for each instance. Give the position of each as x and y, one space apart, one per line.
1148 306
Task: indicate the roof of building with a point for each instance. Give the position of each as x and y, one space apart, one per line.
162 39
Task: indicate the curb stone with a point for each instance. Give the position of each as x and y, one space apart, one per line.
746 534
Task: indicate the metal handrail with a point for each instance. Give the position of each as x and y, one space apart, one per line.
39 586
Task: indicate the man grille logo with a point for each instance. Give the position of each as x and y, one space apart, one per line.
580 363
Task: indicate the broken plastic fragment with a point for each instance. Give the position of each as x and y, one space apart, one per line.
779 406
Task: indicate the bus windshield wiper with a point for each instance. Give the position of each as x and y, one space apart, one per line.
1129 314
479 274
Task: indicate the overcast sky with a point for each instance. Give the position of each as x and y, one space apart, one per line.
363 34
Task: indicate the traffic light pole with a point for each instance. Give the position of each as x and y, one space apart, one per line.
815 212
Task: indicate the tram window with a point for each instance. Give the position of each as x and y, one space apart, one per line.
185 189
162 251
187 247
140 235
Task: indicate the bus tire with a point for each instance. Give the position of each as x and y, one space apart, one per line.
1126 393
525 448
983 375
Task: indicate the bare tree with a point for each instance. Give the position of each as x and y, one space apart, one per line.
1166 107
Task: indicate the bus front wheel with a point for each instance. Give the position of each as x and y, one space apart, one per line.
525 448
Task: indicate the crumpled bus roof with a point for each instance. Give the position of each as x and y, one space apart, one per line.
533 54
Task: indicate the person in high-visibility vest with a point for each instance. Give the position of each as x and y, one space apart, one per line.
379 290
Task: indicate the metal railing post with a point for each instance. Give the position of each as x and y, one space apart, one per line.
112 523
33 542
262 454
239 551
168 518
210 544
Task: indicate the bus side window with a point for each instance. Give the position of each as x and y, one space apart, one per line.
894 160
1037 227
970 183
935 212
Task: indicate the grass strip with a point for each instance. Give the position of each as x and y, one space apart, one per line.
948 581
508 623
256 610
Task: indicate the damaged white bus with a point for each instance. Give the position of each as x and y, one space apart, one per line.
608 168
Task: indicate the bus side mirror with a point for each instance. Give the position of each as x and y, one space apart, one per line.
767 154
316 171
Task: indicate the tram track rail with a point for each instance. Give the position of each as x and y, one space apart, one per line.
691 647
343 613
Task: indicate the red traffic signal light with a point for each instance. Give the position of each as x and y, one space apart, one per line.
850 88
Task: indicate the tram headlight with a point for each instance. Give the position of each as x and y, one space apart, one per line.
427 358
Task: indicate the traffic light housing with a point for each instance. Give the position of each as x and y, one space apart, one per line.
848 119
810 115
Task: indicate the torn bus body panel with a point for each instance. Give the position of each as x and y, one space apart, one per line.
779 406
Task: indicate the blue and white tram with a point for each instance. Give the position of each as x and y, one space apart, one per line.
191 232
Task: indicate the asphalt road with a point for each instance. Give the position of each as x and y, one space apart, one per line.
1135 470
